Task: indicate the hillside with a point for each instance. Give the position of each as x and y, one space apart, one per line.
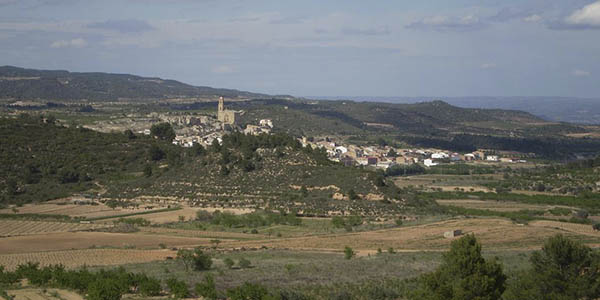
41 161
30 84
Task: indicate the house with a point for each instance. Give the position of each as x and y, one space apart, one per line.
429 162
506 160
452 233
492 158
469 156
439 155
341 149
372 160
347 161
266 122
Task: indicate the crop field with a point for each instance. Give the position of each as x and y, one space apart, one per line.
85 240
499 234
73 210
495 205
17 227
88 257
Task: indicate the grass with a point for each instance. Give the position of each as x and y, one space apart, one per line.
290 269
134 214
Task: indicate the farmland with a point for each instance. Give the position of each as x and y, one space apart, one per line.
16 228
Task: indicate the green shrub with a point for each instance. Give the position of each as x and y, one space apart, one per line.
348 253
178 288
244 263
229 262
248 291
207 288
104 289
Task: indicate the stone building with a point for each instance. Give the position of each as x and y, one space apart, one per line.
224 115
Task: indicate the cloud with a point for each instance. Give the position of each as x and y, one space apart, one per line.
123 26
223 69
75 43
533 18
580 73
366 31
588 17
509 14
488 66
447 23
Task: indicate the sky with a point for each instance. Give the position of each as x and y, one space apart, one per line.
319 47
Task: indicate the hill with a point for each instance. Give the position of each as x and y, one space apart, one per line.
41 161
30 84
555 109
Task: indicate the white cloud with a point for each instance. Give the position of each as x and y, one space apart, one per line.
223 69
588 15
75 43
580 73
488 66
533 18
444 23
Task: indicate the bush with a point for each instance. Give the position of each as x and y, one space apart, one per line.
202 261
149 286
207 288
229 262
244 263
348 253
248 291
178 288
104 289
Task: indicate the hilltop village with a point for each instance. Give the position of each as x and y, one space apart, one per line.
204 129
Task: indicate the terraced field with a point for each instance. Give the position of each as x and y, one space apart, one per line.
18 227
88 257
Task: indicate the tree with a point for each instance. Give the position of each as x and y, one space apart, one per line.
129 134
104 289
163 131
348 253
207 288
148 170
202 261
563 269
156 153
186 256
229 262
198 150
392 153
178 288
463 274
352 195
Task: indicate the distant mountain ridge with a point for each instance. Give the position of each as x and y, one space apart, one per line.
557 109
30 84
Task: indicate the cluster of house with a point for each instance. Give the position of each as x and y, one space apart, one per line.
383 157
204 129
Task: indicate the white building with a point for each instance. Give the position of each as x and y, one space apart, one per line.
429 162
439 155
492 158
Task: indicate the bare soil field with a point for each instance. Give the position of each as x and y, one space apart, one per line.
85 240
74 210
88 257
497 234
201 233
186 212
17 227
495 205
44 294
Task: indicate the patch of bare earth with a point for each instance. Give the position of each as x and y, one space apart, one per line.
89 257
84 240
